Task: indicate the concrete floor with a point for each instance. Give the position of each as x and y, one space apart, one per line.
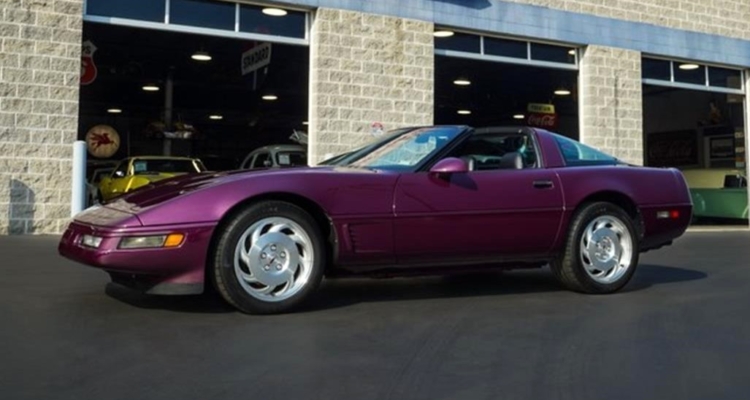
680 330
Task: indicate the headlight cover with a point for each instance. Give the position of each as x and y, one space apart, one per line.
152 242
91 241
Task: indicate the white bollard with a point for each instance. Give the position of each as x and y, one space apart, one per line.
78 198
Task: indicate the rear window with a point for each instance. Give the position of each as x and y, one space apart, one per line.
576 153
291 159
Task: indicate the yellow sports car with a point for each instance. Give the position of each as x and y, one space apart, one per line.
134 172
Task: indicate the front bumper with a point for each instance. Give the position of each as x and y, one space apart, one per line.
176 268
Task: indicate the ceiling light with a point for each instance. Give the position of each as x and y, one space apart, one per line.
689 66
519 116
201 56
114 111
274 12
462 82
443 33
572 52
270 97
464 112
151 88
562 92
216 117
305 123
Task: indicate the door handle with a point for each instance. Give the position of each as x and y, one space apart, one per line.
543 184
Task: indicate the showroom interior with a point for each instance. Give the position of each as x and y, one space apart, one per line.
217 80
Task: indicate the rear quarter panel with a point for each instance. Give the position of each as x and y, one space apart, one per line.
650 189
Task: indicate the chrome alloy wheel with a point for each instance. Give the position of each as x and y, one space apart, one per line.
273 259
606 249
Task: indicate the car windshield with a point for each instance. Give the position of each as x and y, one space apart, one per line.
155 166
403 150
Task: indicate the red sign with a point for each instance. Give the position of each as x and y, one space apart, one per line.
544 121
88 68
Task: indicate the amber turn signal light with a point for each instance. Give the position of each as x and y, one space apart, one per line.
174 240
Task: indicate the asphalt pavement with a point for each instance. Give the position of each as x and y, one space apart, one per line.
680 330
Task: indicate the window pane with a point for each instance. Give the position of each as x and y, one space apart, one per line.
203 13
505 48
144 10
458 42
695 75
656 69
723 77
577 153
253 20
548 52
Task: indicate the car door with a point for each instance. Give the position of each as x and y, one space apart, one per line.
493 212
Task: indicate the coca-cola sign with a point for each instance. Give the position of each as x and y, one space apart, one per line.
545 121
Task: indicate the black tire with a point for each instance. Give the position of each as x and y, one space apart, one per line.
569 269
223 268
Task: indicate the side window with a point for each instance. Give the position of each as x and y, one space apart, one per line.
576 153
492 151
262 160
121 170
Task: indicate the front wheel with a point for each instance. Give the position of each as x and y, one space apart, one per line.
269 258
601 251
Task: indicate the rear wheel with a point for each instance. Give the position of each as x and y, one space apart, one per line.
601 251
269 259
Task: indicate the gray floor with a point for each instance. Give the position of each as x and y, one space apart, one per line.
680 331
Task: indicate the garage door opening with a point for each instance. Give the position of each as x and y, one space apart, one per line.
487 81
694 120
208 80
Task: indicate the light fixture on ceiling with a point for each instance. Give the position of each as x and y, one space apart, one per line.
305 123
572 52
689 66
464 112
519 116
270 97
562 91
201 56
114 111
443 33
216 117
462 82
274 12
151 88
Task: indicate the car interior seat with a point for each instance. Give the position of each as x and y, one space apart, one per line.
512 160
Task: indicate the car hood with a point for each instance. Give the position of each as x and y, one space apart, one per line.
162 191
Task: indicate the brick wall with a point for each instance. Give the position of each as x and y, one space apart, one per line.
364 69
722 17
612 102
39 72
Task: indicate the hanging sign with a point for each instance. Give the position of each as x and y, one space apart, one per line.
542 115
103 141
256 58
88 68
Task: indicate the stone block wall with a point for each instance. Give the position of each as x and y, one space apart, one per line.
40 61
720 17
366 69
611 101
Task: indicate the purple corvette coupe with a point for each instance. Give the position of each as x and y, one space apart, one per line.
421 200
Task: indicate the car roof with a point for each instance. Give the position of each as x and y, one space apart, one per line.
292 147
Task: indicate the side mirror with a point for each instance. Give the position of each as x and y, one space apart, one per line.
450 165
